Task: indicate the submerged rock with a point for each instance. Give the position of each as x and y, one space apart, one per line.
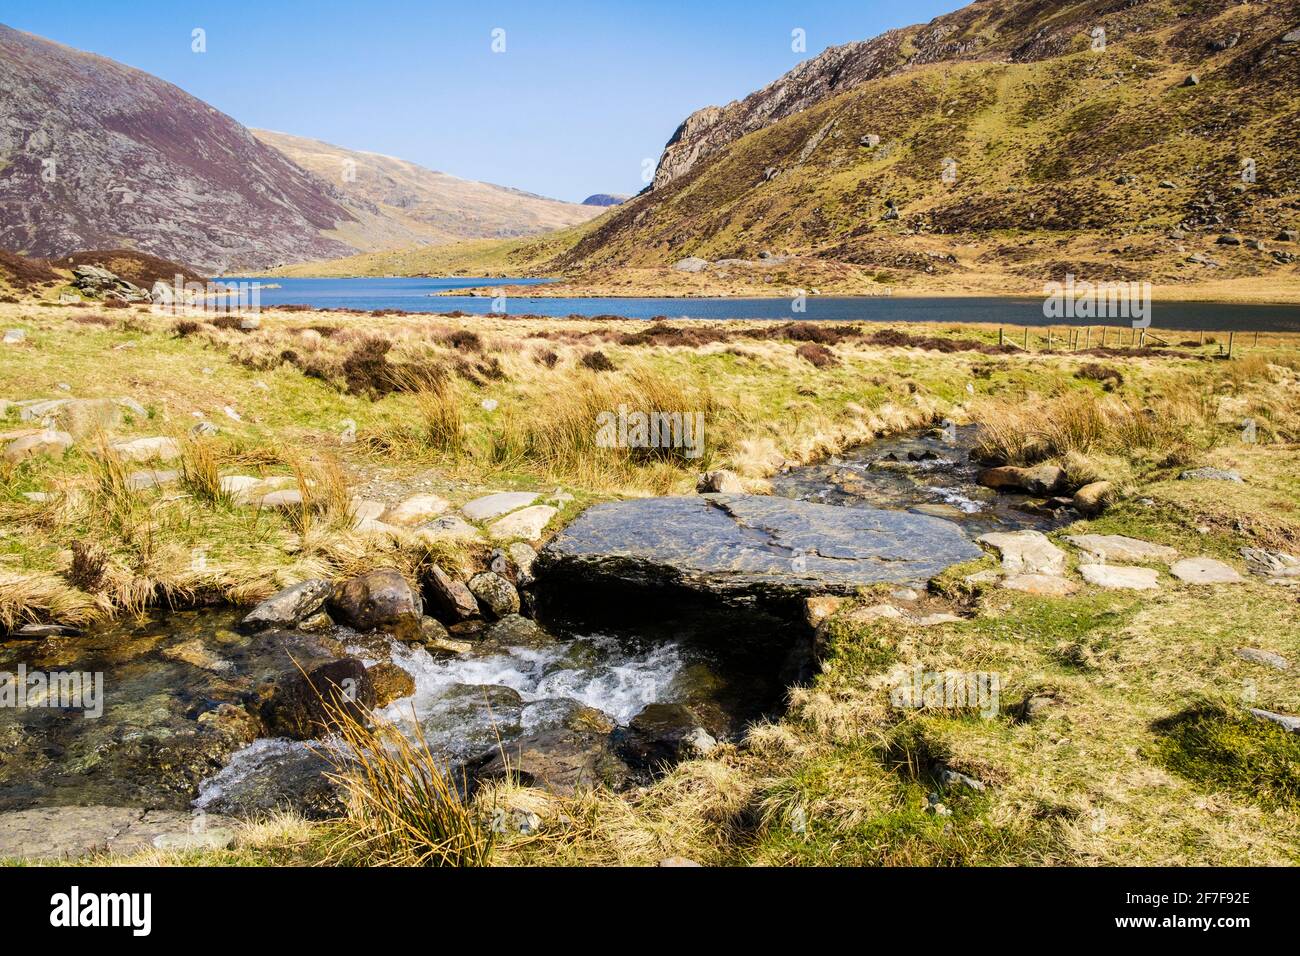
290 606
299 703
562 762
748 547
662 734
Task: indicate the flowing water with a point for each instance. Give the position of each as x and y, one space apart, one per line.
163 672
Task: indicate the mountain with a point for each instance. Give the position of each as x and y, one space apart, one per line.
993 148
605 199
396 202
97 155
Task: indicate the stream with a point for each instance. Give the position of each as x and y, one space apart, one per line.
166 674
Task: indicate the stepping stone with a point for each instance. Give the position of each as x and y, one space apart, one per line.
930 620
495 505
289 498
48 442
1047 585
376 527
1116 577
233 484
144 480
1205 571
1116 547
877 612
1026 552
447 528
144 449
528 523
416 509
1269 659
1290 723
363 509
1212 474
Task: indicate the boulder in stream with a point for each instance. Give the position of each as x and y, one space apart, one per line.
288 607
379 600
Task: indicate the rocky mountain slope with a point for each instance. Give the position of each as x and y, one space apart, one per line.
97 155
396 202
994 148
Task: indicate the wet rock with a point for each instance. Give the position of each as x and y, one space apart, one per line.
494 593
316 623
1092 499
379 600
467 630
1046 585
514 630
271 775
68 833
1204 571
749 547
233 721
47 442
494 505
1211 474
390 683
528 524
298 703
719 481
1117 547
415 510
661 735
197 654
289 607
1268 658
1284 721
432 631
1041 480
146 449
562 762
450 599
1026 552
1116 577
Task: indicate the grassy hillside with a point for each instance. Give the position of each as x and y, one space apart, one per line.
1101 164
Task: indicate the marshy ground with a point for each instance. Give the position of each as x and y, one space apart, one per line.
1123 734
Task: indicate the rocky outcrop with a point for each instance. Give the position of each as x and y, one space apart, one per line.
99 155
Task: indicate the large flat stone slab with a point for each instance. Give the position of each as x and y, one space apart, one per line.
752 546
1026 552
495 505
50 833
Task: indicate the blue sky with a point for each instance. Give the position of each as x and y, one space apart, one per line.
583 93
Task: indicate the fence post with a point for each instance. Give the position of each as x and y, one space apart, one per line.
1231 336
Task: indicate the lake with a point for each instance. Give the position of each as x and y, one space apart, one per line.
423 295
